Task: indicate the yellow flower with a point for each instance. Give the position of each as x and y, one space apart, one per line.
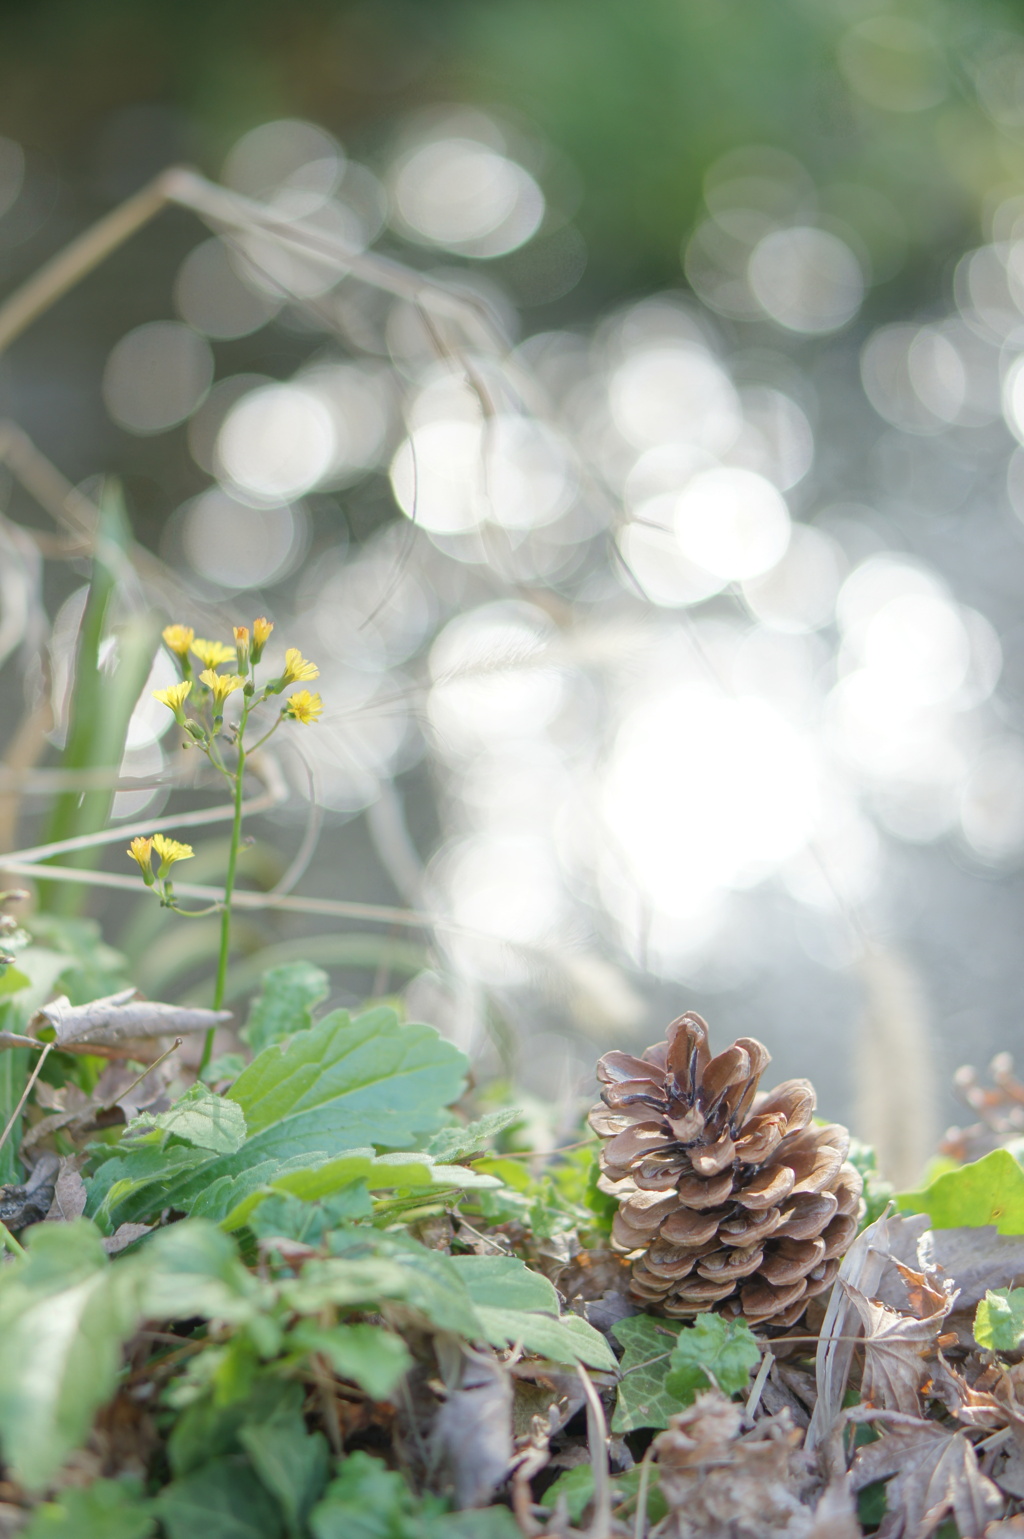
178 638
174 696
302 706
169 850
141 850
222 684
261 630
212 653
296 668
242 646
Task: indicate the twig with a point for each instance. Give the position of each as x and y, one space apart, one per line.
640 1522
16 1113
106 1105
753 1399
40 852
597 1437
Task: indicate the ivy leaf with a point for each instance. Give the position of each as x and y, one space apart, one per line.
105 1509
988 1191
712 1350
344 1082
284 1004
205 1120
369 1356
643 1400
220 1500
999 1320
455 1143
64 1313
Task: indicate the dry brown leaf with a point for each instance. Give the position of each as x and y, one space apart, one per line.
1008 1528
473 1430
721 1485
895 1348
934 1475
864 1267
121 1017
975 1260
973 1406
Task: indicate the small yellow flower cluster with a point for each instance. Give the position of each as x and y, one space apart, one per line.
167 851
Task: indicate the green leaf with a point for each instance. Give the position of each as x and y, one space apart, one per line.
369 1356
139 1181
999 1320
221 1500
64 1313
192 1268
369 1501
285 1217
712 1350
285 1003
577 1487
505 1282
105 1509
344 1082
643 1399
209 1428
455 1143
988 1191
292 1464
568 1339
204 1120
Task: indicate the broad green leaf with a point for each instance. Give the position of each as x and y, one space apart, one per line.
362 1282
712 1350
643 1400
366 1500
988 1191
344 1082
220 1500
192 1268
209 1428
105 1509
285 1217
505 1282
999 1320
292 1464
455 1142
64 1313
285 1003
371 1357
205 1120
566 1339
137 1182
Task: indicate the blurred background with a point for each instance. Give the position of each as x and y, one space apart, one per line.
623 406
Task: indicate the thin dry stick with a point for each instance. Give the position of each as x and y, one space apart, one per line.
597 1437
640 1522
16 1113
756 1389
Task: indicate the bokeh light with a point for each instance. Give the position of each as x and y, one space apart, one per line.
156 376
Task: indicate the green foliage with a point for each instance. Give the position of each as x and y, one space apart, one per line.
369 1501
712 1350
999 1320
345 1082
988 1191
221 1500
285 1003
663 1370
107 1509
454 1143
576 1486
374 1358
564 1197
878 1192
203 1120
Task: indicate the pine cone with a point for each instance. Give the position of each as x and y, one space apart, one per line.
727 1197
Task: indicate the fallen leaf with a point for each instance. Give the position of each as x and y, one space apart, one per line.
719 1483
121 1017
933 1474
69 1194
473 1430
21 1206
896 1345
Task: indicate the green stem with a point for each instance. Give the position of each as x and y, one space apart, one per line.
9 1242
229 888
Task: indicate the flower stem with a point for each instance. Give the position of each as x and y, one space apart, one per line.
229 888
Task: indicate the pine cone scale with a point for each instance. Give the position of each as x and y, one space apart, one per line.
727 1196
